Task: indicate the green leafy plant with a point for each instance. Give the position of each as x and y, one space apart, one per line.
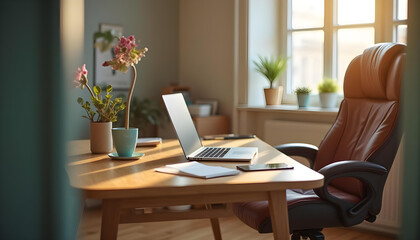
106 108
147 111
328 85
303 90
271 67
104 40
144 113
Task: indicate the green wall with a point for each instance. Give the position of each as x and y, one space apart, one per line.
156 24
36 201
411 181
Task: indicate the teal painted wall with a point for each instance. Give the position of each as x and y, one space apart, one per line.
36 201
411 181
156 24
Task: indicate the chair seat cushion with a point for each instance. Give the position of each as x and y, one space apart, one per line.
305 211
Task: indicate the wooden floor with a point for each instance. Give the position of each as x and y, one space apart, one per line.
232 229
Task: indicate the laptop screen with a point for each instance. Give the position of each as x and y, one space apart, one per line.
183 123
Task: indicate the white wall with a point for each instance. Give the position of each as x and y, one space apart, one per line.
156 24
206 46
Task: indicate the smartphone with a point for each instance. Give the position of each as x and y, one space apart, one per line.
264 167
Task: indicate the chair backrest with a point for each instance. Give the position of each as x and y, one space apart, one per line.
366 128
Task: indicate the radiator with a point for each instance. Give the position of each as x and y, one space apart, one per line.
388 221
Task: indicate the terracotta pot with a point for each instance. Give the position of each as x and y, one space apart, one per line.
273 95
101 137
328 100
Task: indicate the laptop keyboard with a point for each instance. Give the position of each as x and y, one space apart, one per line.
211 152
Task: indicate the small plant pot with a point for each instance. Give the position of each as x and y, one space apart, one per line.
101 137
303 100
273 96
328 100
125 140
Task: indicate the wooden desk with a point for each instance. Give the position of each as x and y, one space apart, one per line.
127 185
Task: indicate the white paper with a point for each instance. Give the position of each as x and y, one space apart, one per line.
195 169
148 141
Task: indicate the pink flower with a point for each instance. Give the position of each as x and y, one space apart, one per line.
76 83
126 54
117 50
79 79
132 41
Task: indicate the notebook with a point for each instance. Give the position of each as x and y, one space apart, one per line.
190 141
195 169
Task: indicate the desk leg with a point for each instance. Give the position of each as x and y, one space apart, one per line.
110 219
215 225
279 215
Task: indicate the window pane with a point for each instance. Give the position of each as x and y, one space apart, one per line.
356 11
307 13
401 34
401 9
350 46
307 59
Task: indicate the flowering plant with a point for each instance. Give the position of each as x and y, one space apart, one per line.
126 55
106 108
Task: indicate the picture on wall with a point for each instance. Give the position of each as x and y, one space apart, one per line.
106 75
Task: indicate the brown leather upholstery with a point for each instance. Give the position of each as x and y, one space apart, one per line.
365 125
368 112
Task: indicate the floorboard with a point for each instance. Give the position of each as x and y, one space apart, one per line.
232 229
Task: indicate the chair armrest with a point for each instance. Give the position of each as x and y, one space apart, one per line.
307 151
371 174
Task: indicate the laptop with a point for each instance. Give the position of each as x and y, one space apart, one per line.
190 141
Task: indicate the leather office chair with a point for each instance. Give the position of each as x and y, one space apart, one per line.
355 156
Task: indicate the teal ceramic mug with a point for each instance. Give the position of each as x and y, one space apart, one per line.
125 140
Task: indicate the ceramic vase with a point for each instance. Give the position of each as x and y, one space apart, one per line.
328 100
125 140
303 100
273 96
101 137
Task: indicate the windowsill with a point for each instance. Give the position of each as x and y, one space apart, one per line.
284 108
252 119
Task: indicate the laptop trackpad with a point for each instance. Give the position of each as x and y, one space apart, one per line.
241 152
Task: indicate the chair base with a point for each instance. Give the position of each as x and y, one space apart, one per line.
312 234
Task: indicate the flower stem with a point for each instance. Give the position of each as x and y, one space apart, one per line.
127 112
90 90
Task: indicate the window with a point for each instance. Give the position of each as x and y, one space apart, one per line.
306 40
323 36
400 21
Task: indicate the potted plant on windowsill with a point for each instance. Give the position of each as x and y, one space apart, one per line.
328 93
102 115
302 94
271 68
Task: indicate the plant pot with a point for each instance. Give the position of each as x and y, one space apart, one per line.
328 100
101 137
125 140
303 100
273 95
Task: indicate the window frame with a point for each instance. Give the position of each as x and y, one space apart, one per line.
397 22
385 30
